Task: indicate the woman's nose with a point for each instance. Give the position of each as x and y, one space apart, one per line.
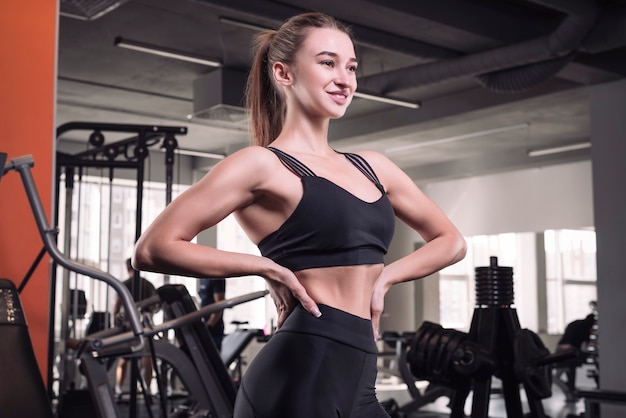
345 78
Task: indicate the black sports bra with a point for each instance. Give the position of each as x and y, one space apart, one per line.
330 226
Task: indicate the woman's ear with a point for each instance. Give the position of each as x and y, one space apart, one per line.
281 73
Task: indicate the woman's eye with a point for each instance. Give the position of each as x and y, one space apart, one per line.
328 63
352 68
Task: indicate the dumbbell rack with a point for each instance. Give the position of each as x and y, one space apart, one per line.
496 328
496 345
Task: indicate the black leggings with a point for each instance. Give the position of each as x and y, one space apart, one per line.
314 368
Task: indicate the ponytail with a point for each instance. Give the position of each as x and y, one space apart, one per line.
263 100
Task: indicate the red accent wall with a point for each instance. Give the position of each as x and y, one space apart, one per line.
27 106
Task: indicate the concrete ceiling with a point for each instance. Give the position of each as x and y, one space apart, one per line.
495 78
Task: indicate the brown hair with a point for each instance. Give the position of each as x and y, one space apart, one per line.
263 99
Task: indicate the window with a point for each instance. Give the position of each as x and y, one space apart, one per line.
102 235
454 305
570 276
259 313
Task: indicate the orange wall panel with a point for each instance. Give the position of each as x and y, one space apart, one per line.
27 102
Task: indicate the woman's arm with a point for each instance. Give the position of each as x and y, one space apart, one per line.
166 245
444 243
236 182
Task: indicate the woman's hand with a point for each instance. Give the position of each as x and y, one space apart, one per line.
283 299
378 302
285 290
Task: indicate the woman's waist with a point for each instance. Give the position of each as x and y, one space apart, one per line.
346 288
334 324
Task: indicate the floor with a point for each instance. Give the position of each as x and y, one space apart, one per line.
391 389
556 406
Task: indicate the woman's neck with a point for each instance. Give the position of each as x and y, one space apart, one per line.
304 136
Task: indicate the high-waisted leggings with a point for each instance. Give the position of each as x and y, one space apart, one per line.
314 368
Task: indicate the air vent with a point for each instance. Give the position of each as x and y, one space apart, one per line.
88 9
218 96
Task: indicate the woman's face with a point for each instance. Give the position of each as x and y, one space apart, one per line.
324 73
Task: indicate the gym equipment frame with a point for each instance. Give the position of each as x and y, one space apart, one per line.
130 154
23 166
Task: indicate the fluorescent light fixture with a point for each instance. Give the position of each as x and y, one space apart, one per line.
386 99
202 154
165 52
242 24
556 150
197 59
458 137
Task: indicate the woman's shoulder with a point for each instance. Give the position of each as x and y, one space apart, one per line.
251 151
251 158
251 167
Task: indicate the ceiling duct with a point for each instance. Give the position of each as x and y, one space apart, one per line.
218 96
510 68
88 9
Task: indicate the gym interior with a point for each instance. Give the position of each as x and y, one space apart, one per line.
508 114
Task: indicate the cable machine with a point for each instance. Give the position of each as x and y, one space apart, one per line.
128 154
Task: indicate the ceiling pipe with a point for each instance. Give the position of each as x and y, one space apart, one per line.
509 68
563 43
608 33
522 77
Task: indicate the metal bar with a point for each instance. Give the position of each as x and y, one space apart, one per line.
118 127
22 165
100 343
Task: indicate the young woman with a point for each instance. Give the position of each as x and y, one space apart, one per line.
323 221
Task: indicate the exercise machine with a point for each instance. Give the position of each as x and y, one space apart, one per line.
399 367
565 373
596 397
233 347
26 368
24 393
194 359
495 346
111 148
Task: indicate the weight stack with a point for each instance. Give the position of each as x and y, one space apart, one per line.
495 320
494 286
22 390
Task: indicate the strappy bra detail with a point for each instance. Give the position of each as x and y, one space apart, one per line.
330 226
291 162
303 171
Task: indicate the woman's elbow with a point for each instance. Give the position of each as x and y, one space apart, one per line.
459 248
142 258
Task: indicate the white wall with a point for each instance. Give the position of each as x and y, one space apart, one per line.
554 197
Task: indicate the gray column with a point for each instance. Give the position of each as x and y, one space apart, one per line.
608 153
